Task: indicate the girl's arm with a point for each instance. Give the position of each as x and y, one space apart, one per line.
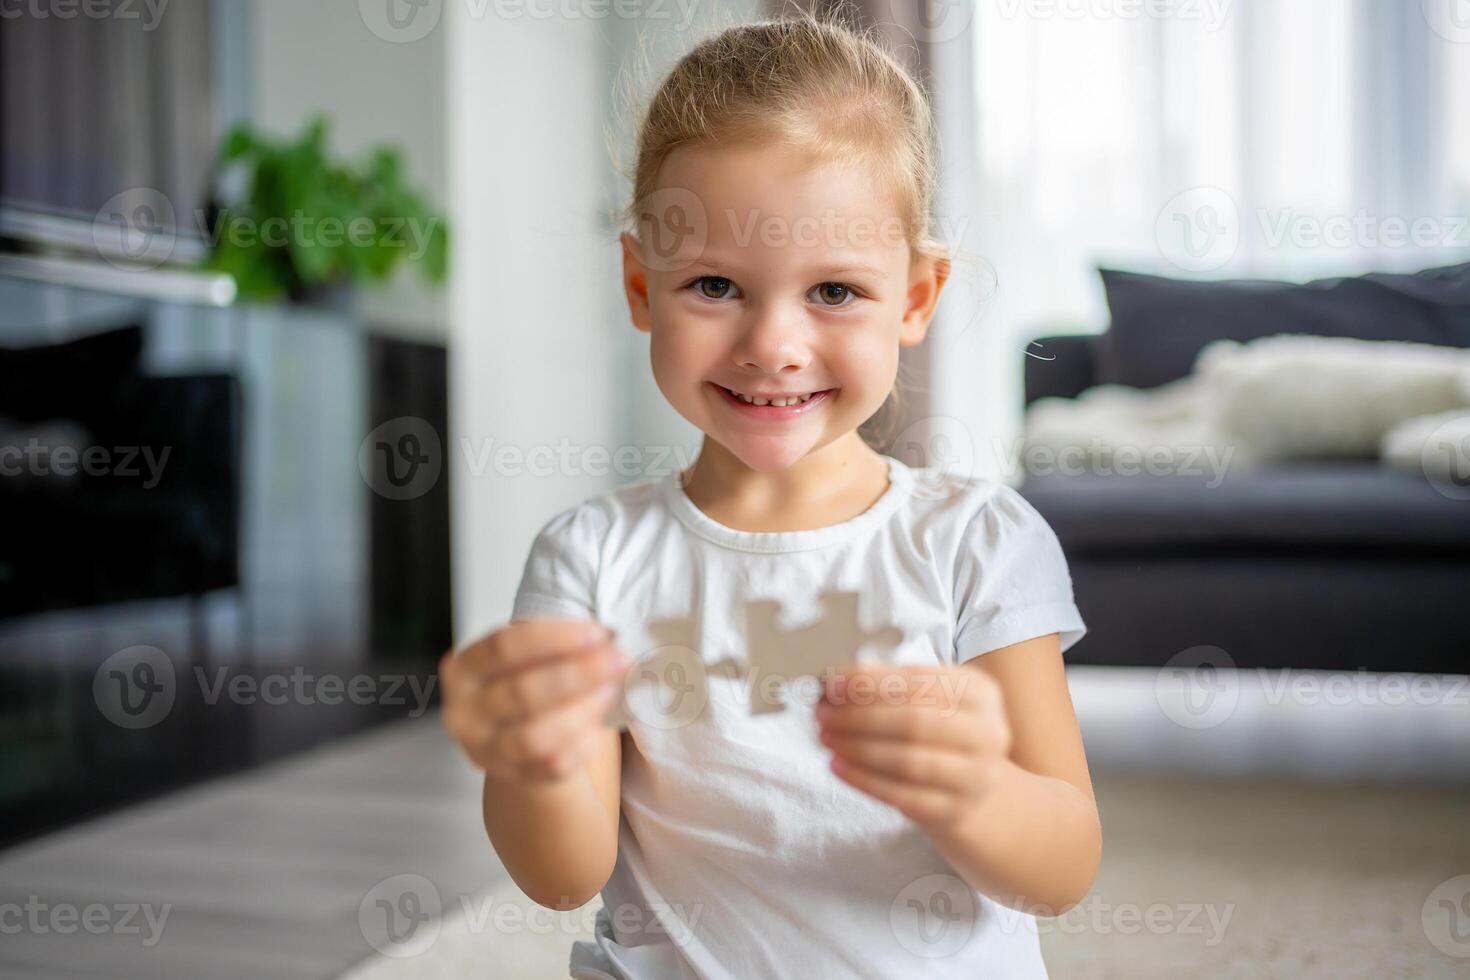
989 763
1033 840
559 838
528 705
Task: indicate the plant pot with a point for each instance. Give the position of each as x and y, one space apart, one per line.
335 296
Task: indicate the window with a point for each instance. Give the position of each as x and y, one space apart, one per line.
1214 139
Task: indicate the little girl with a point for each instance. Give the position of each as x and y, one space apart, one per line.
914 819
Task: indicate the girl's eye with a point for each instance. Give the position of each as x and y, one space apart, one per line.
713 287
833 294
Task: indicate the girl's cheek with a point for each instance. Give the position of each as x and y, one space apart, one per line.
678 345
675 384
679 366
869 356
695 336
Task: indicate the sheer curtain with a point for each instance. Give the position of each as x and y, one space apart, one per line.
1245 139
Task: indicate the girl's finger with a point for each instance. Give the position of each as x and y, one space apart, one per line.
537 740
921 804
526 642
905 722
933 685
468 726
919 765
537 689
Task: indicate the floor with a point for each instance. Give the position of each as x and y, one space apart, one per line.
367 859
262 874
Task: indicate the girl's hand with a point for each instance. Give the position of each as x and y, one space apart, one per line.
928 740
525 702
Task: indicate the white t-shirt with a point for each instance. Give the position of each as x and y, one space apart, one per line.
740 853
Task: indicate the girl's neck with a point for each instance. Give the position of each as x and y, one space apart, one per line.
833 484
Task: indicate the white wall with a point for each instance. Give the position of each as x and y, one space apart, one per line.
532 349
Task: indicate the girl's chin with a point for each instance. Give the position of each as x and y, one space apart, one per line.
767 455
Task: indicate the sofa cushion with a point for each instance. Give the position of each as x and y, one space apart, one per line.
1334 507
1159 325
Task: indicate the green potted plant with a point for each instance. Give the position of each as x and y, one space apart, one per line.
309 226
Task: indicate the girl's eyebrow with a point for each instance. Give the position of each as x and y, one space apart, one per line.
849 269
703 263
845 268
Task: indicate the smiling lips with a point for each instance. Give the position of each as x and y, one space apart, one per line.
774 405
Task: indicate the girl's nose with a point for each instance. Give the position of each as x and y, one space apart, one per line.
770 346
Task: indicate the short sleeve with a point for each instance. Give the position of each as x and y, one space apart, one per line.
560 576
1011 579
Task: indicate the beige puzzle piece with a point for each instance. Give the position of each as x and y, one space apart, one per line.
669 686
778 656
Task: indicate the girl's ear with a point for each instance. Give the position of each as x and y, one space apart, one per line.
927 275
635 282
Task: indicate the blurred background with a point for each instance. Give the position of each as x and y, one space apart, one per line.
310 317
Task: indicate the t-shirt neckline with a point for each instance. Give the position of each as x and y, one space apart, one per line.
771 542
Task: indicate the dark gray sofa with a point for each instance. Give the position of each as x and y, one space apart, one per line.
1339 565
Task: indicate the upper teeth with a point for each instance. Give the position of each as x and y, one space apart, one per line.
778 402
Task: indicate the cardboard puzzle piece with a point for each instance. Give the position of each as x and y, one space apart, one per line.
777 657
774 657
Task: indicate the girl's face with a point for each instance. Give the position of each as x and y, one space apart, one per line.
763 276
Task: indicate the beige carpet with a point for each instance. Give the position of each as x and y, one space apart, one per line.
1200 879
1317 880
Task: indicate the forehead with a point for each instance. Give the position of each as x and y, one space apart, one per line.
762 197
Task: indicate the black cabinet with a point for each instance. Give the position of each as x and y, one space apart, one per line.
261 585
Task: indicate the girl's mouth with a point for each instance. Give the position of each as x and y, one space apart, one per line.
773 405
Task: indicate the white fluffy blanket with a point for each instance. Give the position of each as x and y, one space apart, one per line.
1286 397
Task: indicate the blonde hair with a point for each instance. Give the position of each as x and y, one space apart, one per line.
816 86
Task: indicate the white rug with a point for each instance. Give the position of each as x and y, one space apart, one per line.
498 934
